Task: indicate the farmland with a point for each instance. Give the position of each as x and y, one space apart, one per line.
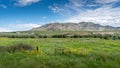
62 53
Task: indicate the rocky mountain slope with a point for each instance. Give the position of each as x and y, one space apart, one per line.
82 26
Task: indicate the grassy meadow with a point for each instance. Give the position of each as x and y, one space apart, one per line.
62 53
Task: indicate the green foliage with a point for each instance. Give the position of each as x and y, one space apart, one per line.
62 34
70 53
15 48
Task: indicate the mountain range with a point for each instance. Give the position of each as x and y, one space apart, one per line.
81 26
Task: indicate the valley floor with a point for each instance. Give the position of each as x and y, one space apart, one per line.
62 53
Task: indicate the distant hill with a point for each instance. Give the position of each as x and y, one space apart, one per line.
82 26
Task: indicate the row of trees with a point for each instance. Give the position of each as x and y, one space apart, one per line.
88 36
24 36
114 37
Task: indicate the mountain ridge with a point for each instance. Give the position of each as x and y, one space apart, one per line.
81 26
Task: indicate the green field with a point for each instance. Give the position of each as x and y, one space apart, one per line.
62 53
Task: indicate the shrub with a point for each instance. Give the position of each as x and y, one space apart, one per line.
59 36
15 48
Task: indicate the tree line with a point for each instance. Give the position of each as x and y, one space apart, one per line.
106 36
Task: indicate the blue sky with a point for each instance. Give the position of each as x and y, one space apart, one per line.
17 15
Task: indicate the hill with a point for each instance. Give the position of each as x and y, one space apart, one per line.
82 26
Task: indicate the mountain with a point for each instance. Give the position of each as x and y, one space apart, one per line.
82 26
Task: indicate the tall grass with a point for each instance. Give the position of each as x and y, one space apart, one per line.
78 53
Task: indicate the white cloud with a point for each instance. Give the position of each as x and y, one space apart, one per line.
4 30
106 1
18 27
65 9
105 15
55 9
24 26
3 6
25 2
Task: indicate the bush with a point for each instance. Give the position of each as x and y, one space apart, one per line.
59 36
15 48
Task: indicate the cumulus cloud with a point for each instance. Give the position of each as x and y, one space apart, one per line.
22 27
106 1
25 26
54 8
64 10
18 27
3 6
25 2
4 30
104 14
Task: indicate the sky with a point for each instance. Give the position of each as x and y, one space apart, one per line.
20 15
